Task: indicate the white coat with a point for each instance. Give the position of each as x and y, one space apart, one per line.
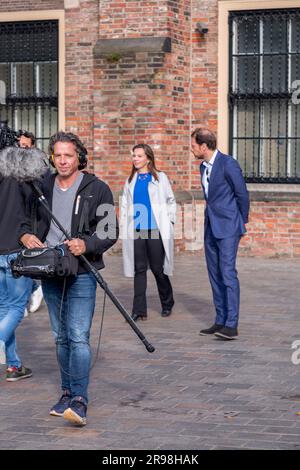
163 205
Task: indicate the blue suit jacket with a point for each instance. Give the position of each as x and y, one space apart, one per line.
227 204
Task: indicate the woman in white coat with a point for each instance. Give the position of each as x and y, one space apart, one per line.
148 211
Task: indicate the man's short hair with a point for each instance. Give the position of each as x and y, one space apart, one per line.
27 134
203 135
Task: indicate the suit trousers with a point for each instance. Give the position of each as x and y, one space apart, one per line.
220 254
149 251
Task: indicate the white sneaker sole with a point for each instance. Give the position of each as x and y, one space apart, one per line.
220 335
74 418
54 413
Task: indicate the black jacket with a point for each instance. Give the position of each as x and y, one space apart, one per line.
12 210
91 221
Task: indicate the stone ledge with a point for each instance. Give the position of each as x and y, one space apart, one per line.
267 196
127 46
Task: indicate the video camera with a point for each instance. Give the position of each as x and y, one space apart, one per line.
8 137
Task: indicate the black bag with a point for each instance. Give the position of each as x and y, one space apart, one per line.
43 263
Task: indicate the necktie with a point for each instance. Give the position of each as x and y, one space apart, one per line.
206 179
207 175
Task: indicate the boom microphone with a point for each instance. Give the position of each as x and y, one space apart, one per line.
22 164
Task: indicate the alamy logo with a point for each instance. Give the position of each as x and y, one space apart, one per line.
2 92
296 92
296 354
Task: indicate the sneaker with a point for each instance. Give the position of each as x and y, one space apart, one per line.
76 413
62 405
227 333
2 352
212 330
36 300
17 373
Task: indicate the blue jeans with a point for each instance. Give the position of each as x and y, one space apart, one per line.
35 285
71 321
14 295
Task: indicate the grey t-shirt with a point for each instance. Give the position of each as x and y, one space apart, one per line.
62 208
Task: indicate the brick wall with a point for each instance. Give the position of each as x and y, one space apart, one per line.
204 76
133 18
117 99
143 96
273 229
82 26
19 5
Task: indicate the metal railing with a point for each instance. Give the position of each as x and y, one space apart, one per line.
29 77
263 104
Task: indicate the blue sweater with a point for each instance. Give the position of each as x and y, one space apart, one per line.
143 215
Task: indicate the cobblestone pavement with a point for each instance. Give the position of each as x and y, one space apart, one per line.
193 392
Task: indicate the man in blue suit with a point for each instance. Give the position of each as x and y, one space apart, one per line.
226 213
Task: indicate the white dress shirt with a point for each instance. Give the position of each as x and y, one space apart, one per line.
207 172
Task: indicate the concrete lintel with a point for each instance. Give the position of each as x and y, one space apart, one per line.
128 46
268 196
182 196
69 4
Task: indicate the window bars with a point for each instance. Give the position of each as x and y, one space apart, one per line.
29 77
264 94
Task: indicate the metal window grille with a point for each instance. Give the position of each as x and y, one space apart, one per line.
264 94
29 77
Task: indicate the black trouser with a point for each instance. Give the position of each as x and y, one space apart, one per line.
149 250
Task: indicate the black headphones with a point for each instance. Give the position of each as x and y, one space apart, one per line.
83 159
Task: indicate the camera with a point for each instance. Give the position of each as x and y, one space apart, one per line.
8 137
201 28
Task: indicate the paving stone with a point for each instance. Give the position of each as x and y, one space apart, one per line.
193 392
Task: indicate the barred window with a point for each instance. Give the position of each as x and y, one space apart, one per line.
263 98
29 77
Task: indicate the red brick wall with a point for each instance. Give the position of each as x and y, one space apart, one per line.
143 97
20 5
204 71
81 35
273 229
133 18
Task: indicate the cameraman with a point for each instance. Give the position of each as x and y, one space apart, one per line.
26 140
14 293
77 200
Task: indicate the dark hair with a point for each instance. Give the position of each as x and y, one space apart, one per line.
27 134
73 139
151 164
205 136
